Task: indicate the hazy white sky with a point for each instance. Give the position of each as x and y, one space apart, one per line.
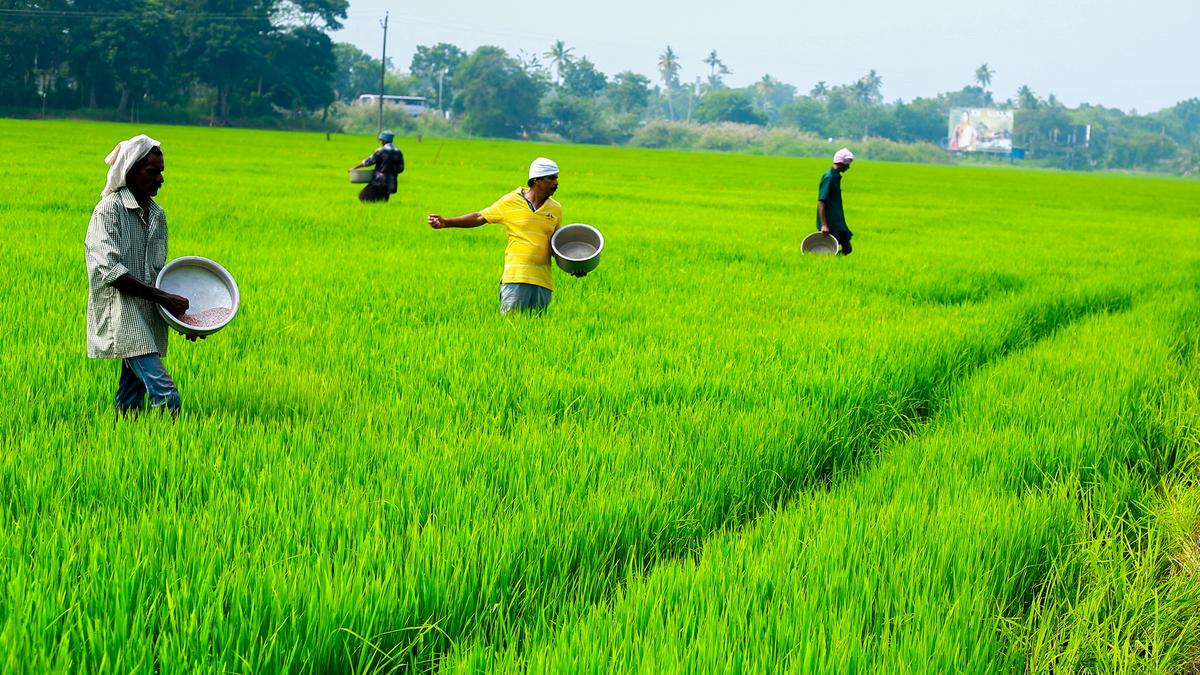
1130 55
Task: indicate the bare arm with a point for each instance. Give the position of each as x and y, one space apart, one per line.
127 284
175 304
821 215
469 220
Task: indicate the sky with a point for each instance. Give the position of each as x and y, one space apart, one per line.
1130 55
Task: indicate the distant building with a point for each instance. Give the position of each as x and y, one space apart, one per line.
413 105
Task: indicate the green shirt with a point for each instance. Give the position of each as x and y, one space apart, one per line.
121 326
831 193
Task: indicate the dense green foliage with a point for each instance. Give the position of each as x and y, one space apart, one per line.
498 97
969 447
728 105
269 63
240 57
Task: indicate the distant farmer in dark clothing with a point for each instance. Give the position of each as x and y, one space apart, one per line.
830 217
389 163
126 247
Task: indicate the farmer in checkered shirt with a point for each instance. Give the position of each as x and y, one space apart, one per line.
126 246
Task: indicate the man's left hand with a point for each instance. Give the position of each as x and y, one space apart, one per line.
193 338
579 274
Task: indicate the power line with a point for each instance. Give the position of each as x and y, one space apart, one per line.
72 14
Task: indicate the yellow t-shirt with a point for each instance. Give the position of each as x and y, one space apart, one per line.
527 255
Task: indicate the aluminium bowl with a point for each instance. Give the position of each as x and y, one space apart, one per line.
577 247
205 284
819 243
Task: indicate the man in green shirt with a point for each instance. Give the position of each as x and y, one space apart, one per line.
830 217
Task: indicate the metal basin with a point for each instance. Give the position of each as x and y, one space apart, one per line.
361 175
577 247
820 243
212 294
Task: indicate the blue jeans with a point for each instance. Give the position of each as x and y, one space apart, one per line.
142 375
523 298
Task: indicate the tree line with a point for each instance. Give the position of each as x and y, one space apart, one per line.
562 93
271 63
239 58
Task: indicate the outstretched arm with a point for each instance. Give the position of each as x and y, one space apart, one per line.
370 161
469 220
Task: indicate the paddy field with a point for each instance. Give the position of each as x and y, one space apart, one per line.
972 446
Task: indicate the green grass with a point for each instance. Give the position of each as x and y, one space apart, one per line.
970 447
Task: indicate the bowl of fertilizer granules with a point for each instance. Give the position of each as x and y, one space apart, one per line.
212 295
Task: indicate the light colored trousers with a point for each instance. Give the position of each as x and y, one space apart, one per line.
523 298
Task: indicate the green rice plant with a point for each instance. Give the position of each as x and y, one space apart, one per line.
375 471
1009 534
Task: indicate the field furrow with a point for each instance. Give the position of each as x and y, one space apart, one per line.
1035 490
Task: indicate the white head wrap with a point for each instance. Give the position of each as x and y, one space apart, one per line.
124 156
843 156
542 167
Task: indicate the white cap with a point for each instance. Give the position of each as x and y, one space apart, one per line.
542 167
843 156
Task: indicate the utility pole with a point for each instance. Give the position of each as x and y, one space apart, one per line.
441 76
382 69
693 92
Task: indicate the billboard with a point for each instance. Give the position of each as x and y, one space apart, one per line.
980 130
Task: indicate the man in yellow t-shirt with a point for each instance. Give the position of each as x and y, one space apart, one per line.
530 217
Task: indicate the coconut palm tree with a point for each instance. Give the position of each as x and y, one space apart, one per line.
860 92
1026 98
866 89
983 75
717 69
820 90
668 68
560 57
873 84
770 94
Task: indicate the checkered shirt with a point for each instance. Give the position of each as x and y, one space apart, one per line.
120 326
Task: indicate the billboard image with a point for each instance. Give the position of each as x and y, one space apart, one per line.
980 130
